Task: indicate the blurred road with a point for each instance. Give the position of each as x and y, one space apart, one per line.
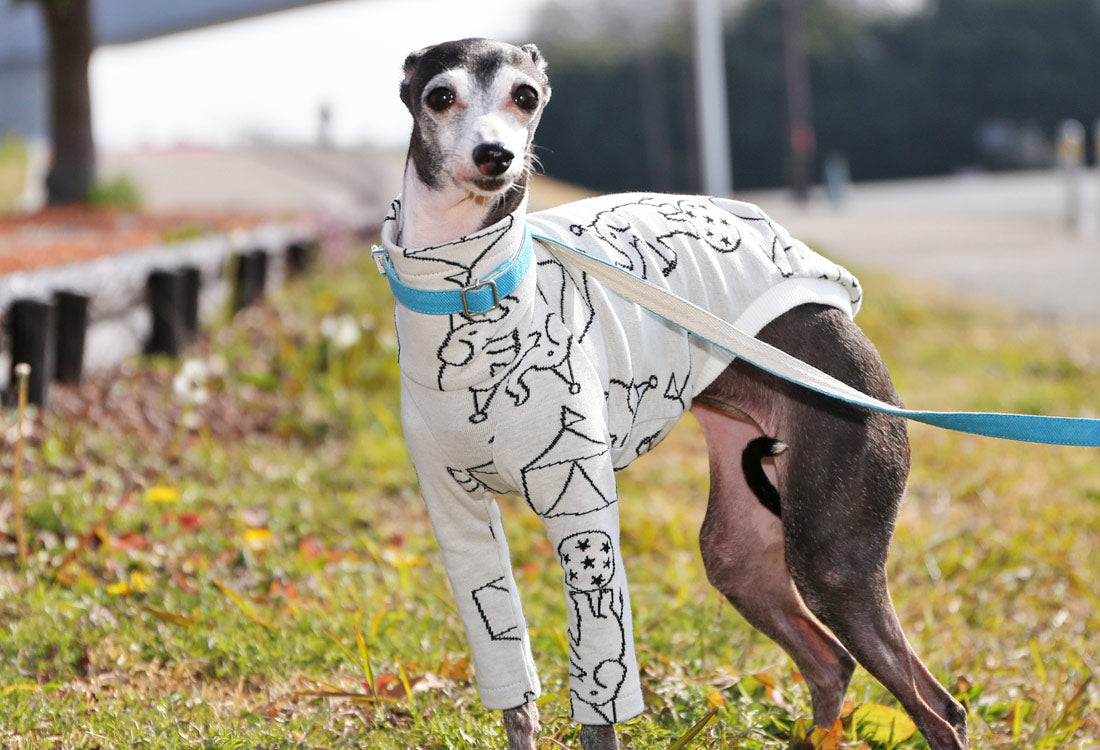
997 236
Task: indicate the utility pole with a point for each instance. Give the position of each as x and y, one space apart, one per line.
796 68
715 162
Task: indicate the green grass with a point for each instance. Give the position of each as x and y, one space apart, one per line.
226 574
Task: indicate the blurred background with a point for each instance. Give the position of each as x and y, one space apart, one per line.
961 104
893 88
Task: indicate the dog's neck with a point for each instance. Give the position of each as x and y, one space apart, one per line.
452 259
433 216
440 239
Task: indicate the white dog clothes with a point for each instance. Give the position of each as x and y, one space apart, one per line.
563 383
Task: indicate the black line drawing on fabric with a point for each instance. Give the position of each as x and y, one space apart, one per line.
552 288
778 250
649 442
711 224
491 599
478 339
699 220
618 233
778 254
477 478
676 389
439 254
569 478
851 284
623 401
588 559
548 350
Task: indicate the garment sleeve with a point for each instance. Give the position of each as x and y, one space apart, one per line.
468 529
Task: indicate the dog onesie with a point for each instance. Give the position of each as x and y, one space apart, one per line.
559 386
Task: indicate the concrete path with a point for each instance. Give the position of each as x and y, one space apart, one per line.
355 185
998 236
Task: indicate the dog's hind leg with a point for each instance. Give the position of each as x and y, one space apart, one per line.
742 546
841 482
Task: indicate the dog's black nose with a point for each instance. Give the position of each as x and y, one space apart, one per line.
492 159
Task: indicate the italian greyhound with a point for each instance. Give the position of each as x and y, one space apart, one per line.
521 375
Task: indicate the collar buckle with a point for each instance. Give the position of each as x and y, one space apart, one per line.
491 284
381 259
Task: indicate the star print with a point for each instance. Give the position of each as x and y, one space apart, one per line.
583 545
607 563
597 581
605 547
588 563
565 559
572 575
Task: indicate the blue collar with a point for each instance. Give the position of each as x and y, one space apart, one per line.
478 298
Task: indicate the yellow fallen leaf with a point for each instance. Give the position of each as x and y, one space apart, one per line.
257 539
137 583
162 494
878 723
164 614
140 582
827 739
118 588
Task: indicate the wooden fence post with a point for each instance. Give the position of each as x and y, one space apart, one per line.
191 281
300 256
251 278
164 294
71 310
31 332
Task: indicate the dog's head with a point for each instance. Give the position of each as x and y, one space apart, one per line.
475 105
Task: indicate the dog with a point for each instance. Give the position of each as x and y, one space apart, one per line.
521 375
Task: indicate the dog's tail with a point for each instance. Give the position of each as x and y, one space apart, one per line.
755 452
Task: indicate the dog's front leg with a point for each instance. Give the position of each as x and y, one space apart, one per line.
522 725
604 687
596 737
468 529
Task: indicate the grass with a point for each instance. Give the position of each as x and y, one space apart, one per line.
13 168
244 561
119 192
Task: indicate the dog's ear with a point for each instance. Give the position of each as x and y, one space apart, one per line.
409 68
540 66
536 57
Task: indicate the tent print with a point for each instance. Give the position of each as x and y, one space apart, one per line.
570 477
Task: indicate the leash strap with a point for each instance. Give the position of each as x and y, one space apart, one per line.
476 299
723 334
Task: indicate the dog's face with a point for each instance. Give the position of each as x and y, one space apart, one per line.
475 105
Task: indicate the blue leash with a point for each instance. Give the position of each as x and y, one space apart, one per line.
1074 431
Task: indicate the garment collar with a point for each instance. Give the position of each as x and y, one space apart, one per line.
469 275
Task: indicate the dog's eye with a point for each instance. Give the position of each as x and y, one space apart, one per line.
526 98
440 98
